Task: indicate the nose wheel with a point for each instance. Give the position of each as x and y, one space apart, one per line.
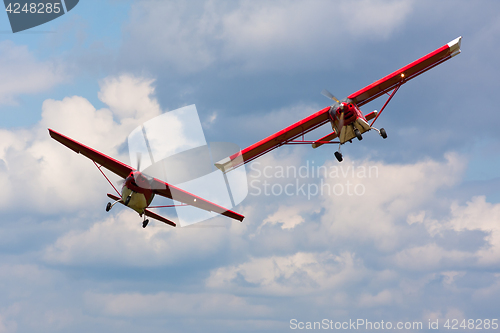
358 134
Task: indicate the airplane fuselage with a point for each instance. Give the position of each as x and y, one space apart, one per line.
345 118
138 189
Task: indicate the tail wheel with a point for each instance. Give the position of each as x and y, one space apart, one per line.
358 134
383 133
338 155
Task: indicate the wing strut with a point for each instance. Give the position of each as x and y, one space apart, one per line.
109 181
388 100
308 142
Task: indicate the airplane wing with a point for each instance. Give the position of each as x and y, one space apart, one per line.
274 141
109 163
177 194
147 212
402 75
158 217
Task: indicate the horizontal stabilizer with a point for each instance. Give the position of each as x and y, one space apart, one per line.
147 212
158 217
371 115
324 139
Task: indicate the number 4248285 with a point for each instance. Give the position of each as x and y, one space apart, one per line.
34 8
477 324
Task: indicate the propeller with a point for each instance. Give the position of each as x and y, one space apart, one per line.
139 157
329 95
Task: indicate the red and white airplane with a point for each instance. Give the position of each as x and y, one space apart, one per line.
345 117
139 189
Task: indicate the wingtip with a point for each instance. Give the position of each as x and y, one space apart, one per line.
455 45
233 215
224 165
53 134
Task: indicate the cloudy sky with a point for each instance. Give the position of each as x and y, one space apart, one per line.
404 230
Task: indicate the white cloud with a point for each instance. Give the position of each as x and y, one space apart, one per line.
429 257
488 292
7 326
178 304
451 277
257 34
171 32
121 240
476 214
285 32
23 288
22 73
129 96
449 313
301 273
288 217
391 192
381 225
39 172
385 297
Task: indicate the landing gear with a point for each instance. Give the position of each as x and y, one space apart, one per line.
383 133
127 201
358 134
110 205
338 155
145 223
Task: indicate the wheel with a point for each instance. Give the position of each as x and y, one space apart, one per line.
383 133
358 134
108 206
338 155
145 223
127 201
